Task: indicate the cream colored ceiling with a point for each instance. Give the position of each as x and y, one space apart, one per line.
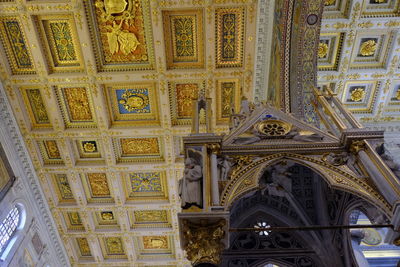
361 57
102 107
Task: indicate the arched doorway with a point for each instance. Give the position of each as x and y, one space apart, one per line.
291 195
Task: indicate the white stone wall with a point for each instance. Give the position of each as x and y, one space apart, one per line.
26 191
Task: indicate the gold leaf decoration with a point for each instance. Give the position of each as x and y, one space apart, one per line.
398 94
329 2
368 48
322 50
121 40
357 94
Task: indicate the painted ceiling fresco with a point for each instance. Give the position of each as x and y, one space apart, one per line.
102 91
359 58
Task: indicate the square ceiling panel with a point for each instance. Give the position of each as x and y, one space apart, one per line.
154 246
184 38
63 190
16 47
181 94
60 43
139 149
360 96
371 49
35 107
150 219
330 50
336 9
229 35
113 247
76 106
132 104
73 221
121 34
87 151
228 98
145 186
106 219
381 8
50 152
97 188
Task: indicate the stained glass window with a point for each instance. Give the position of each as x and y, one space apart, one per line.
8 227
262 224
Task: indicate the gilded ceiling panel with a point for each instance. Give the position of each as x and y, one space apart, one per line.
329 50
16 46
132 104
229 37
371 49
73 221
97 187
138 149
154 246
184 40
336 9
113 248
106 219
87 151
35 106
181 95
83 245
150 218
121 34
50 152
63 188
381 8
360 96
76 106
228 98
60 43
145 186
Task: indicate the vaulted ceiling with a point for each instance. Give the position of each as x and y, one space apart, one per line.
102 92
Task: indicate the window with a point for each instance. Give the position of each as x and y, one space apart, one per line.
7 229
262 224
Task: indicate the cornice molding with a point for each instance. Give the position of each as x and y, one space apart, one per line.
11 128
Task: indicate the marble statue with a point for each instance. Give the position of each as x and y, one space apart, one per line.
342 159
393 166
190 185
281 182
224 166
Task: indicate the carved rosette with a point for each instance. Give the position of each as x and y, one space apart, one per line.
203 243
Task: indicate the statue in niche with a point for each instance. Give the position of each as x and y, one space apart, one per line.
278 181
190 186
342 159
246 108
224 166
393 166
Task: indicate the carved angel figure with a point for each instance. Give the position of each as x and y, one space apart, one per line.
190 185
388 160
121 40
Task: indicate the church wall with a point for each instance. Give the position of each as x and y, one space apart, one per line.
37 243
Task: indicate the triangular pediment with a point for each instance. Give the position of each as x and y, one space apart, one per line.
267 125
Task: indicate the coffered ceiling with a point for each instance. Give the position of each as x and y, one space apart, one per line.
359 58
102 92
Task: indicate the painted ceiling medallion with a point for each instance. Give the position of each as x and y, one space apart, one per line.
357 94
322 50
368 48
133 101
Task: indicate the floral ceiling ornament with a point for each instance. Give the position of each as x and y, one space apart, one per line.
322 50
357 94
368 48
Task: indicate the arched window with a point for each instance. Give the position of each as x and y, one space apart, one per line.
9 226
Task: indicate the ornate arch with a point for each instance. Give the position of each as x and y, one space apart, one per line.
246 180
